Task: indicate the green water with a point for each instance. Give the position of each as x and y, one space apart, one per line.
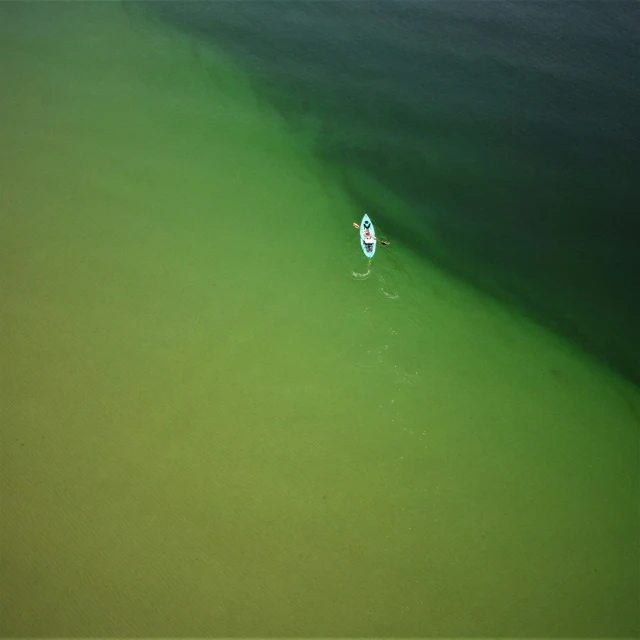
219 419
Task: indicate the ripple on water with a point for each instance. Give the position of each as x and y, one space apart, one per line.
389 295
369 358
386 324
408 317
356 275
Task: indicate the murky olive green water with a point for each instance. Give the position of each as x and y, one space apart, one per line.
219 419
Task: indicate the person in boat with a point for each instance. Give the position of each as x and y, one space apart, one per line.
368 237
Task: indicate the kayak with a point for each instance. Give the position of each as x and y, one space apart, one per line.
368 247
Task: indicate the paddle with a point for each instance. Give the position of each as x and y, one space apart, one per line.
380 240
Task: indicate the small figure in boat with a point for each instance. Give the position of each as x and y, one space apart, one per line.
368 238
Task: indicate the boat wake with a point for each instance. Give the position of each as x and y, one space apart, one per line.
371 358
385 289
361 276
389 296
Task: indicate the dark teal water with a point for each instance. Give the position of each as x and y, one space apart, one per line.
510 129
